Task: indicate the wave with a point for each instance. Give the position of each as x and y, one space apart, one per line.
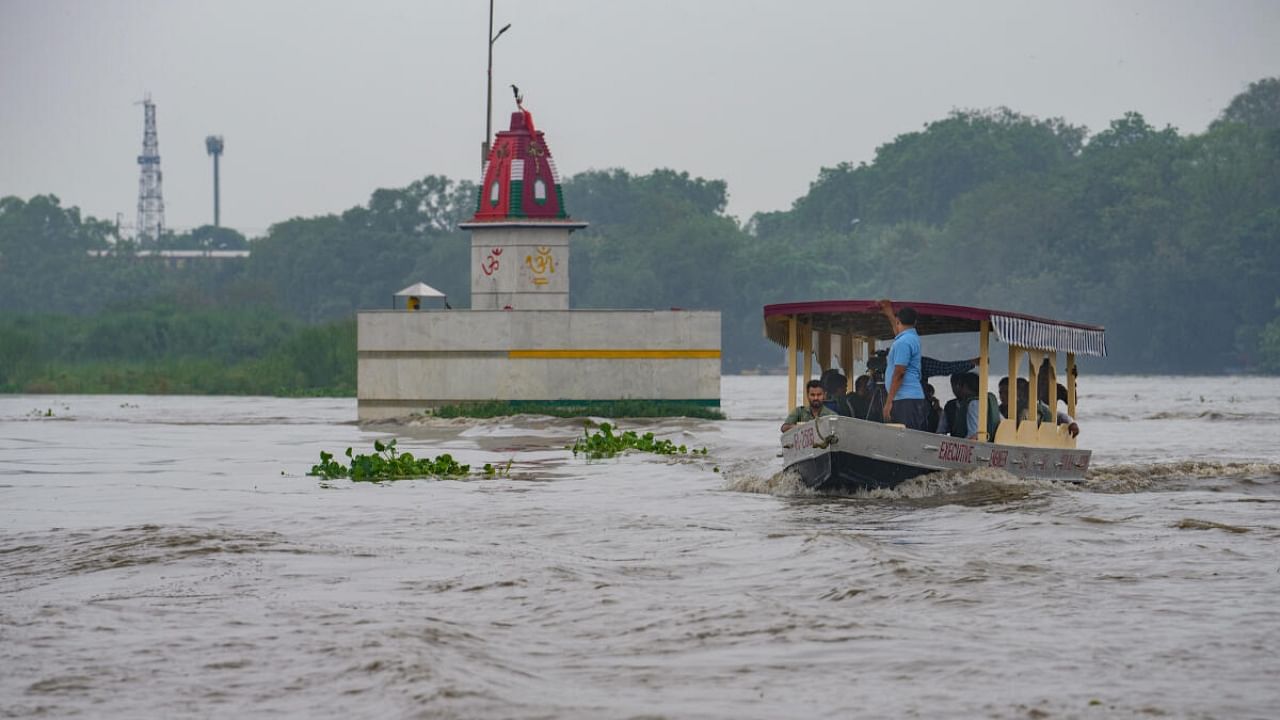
1215 416
37 558
1194 524
1137 478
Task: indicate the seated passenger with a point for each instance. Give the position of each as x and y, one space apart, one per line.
1024 394
834 383
934 409
948 418
929 367
1044 377
815 409
963 422
1004 396
860 401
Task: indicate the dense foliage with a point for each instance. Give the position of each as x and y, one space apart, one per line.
167 349
1172 241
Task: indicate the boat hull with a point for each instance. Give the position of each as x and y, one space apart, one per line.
842 455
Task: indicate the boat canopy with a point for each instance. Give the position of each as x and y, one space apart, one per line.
863 318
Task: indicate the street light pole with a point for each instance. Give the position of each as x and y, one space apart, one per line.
488 108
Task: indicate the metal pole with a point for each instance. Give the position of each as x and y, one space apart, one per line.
488 108
217 214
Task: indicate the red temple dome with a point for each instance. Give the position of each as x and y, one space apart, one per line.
520 178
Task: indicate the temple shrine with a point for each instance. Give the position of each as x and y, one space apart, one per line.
520 342
520 232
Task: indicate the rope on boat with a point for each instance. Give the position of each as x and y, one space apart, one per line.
823 442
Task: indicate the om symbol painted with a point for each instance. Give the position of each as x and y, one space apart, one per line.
541 265
490 265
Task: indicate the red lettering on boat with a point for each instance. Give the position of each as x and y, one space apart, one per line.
804 438
955 452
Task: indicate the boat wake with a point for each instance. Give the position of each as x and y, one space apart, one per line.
743 477
986 486
982 486
954 487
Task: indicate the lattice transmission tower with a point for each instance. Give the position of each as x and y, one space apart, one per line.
150 193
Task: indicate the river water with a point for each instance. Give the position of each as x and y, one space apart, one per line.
168 557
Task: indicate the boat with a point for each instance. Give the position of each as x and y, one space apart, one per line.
840 454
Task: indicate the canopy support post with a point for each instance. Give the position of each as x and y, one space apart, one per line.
846 361
984 348
791 363
1052 400
1071 384
806 340
1033 387
1013 386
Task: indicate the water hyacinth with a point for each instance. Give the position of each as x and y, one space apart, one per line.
387 464
605 444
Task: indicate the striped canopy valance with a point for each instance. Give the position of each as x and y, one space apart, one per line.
1045 336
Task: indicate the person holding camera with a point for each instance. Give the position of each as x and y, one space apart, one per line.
906 402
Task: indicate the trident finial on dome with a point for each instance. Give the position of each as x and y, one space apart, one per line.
528 116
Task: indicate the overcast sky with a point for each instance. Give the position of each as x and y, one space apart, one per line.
320 101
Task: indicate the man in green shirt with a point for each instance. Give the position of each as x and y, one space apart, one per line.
816 408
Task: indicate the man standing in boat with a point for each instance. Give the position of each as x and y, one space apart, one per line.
906 403
817 407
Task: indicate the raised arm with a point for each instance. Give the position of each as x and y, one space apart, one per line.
886 307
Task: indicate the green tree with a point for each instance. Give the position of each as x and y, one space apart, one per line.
206 237
1258 106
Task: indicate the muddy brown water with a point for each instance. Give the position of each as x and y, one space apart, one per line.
167 557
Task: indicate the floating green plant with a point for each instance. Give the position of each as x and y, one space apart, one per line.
603 443
387 464
491 470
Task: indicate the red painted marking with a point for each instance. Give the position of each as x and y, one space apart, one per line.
804 438
955 452
491 266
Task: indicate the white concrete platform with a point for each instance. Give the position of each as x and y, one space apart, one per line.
409 361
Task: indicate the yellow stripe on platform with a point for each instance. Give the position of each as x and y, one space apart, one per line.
588 354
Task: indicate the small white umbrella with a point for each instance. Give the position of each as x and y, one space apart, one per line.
418 290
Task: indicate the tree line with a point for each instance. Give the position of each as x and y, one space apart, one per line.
1172 241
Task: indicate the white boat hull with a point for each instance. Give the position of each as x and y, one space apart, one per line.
843 454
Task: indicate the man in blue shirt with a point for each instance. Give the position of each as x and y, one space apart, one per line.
906 403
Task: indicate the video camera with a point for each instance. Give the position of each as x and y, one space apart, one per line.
877 363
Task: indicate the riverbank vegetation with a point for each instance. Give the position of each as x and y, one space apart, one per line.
168 350
1170 240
